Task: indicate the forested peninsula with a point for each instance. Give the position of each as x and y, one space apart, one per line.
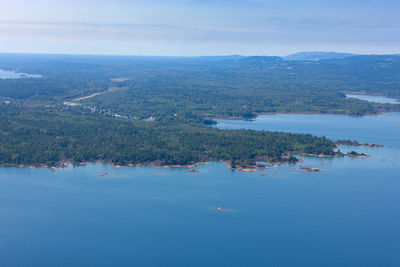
41 138
159 111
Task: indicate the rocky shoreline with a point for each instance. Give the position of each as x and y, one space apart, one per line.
355 143
308 169
229 164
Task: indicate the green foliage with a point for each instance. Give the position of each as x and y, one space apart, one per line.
180 96
193 89
37 136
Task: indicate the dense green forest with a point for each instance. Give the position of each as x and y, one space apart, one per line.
156 109
36 136
204 87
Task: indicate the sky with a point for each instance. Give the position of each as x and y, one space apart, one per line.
199 27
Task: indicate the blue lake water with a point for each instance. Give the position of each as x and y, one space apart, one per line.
374 98
4 74
347 215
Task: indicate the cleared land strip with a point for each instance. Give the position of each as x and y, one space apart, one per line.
75 102
89 96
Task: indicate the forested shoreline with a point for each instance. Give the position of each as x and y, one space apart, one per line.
37 137
154 110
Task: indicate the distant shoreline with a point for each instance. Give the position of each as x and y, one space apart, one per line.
300 113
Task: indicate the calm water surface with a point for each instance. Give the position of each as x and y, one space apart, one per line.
374 98
347 215
4 74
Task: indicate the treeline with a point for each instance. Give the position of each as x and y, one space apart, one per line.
36 136
192 89
178 96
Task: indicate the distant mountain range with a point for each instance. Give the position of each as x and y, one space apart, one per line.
314 56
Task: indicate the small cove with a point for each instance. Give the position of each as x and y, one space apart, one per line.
374 98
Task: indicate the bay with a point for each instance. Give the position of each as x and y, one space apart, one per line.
97 215
374 98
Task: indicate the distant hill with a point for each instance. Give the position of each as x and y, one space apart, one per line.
218 58
257 60
317 56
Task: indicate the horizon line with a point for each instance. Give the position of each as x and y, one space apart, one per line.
194 56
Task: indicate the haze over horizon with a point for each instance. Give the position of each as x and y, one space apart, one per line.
199 27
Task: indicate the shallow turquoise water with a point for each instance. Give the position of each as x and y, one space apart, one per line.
347 215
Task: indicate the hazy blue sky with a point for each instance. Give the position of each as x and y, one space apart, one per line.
199 27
